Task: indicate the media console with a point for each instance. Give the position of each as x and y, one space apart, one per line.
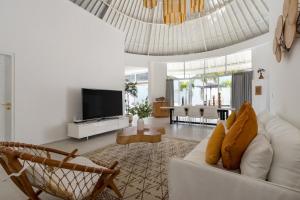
90 128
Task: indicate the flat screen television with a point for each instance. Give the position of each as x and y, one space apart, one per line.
101 103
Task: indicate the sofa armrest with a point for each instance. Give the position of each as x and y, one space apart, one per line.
191 181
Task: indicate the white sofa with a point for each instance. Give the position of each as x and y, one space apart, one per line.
192 179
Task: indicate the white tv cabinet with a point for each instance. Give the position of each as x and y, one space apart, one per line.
87 129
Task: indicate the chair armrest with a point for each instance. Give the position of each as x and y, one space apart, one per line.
70 155
192 181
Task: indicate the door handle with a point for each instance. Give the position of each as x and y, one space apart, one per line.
7 105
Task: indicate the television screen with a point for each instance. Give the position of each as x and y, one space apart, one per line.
101 103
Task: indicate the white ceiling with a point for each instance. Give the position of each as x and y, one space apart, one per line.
224 23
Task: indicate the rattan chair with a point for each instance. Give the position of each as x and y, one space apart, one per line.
72 177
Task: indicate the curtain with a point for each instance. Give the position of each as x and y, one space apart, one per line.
241 88
170 91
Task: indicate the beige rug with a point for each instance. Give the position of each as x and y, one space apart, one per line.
144 168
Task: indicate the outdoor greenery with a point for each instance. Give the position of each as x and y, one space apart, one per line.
143 109
184 85
226 83
131 111
130 90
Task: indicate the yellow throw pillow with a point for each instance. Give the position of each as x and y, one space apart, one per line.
240 135
231 119
213 149
242 108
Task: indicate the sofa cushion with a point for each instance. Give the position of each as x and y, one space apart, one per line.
264 117
262 130
213 149
197 156
285 141
257 159
231 119
242 108
238 138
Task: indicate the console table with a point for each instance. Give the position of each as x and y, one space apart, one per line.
87 129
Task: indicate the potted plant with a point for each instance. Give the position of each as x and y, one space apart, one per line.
130 90
143 110
130 114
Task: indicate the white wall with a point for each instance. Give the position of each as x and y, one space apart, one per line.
59 48
284 78
157 80
261 102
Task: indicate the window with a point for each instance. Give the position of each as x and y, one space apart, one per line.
194 69
239 61
200 81
141 78
175 70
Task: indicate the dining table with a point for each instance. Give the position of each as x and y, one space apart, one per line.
223 114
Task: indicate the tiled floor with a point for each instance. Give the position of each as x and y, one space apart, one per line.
193 132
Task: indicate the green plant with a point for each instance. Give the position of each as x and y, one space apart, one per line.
131 111
143 109
130 90
226 83
183 85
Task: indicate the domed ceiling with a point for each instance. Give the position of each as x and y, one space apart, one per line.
222 23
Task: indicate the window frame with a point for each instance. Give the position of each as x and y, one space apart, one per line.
247 58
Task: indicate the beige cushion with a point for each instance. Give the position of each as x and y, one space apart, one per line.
257 159
264 117
197 155
262 130
285 141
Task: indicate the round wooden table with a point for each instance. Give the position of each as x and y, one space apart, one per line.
131 135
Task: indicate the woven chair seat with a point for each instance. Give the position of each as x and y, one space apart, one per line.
68 184
71 178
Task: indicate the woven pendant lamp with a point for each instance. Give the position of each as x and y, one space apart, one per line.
150 3
197 6
174 11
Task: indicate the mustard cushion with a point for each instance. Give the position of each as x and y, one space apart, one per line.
230 120
242 108
213 149
240 135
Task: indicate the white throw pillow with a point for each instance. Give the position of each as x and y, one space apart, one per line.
285 141
264 117
257 159
262 130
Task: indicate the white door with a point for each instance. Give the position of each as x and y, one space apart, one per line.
6 122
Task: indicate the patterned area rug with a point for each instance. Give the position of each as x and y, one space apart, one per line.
143 167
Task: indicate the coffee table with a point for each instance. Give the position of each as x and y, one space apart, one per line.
131 135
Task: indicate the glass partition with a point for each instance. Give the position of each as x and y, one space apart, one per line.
199 82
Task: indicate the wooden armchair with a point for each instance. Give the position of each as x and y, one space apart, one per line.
73 177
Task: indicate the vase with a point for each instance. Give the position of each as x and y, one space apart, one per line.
130 118
140 124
